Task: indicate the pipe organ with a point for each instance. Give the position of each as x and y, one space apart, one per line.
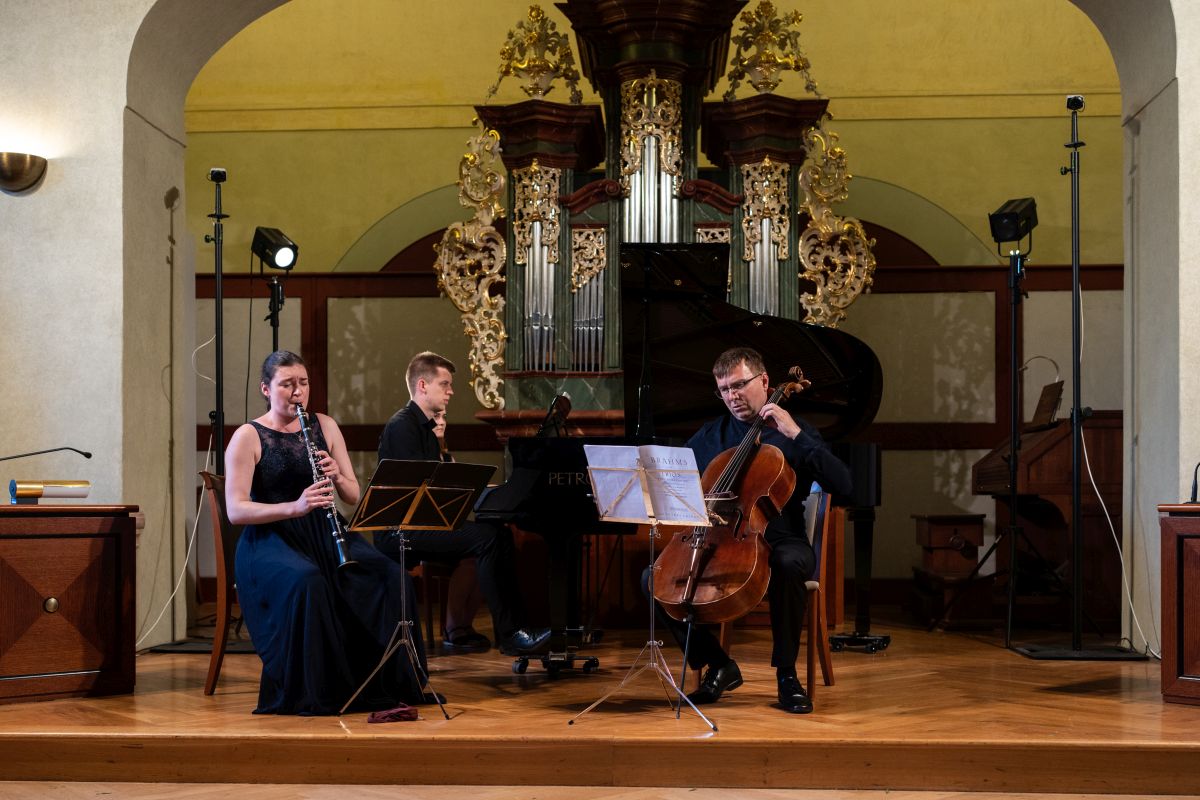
774 174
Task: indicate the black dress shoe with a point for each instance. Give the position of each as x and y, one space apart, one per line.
464 640
716 682
792 697
522 642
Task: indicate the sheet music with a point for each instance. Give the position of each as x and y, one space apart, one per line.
674 483
615 482
638 484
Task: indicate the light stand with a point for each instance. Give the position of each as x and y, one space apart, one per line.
1024 213
217 417
1012 222
1075 104
273 309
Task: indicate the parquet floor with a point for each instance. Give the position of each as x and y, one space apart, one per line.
936 711
247 791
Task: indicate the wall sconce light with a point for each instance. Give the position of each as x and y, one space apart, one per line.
20 171
275 249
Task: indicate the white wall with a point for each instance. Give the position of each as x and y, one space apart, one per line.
95 299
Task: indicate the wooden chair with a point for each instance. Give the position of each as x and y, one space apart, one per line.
432 579
225 536
819 516
818 631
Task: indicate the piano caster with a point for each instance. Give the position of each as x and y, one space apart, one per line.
555 663
869 642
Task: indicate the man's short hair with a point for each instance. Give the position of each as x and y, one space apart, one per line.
425 365
728 361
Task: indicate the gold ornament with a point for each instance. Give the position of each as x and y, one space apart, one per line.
535 199
651 107
773 48
766 188
712 234
834 251
535 52
588 255
470 261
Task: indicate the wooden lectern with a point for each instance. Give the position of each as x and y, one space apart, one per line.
1044 510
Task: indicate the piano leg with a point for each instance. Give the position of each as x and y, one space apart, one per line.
564 557
863 520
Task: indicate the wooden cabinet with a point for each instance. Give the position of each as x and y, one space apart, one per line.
949 542
1180 529
66 601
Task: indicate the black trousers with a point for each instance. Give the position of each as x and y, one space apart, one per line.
492 547
792 562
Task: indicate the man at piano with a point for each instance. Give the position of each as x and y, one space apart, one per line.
743 385
409 436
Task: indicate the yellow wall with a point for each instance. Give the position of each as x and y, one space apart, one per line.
329 115
324 189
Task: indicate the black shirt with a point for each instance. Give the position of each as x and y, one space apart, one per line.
408 436
806 454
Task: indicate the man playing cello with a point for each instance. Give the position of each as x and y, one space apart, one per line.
744 387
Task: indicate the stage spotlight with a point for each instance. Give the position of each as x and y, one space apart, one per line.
1014 220
275 249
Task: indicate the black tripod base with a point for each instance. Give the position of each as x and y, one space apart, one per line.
869 642
1097 653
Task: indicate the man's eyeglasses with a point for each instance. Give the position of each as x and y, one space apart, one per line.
736 386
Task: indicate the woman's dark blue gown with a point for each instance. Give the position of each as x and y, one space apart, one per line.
319 630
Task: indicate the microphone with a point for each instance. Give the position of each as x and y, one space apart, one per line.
1195 473
556 415
83 453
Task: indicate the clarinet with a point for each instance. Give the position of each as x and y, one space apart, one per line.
335 524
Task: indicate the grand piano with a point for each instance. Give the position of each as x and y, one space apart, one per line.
674 322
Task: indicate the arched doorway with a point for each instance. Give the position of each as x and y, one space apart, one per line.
176 38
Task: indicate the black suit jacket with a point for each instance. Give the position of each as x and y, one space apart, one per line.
408 436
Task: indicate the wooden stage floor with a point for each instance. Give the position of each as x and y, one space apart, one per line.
935 711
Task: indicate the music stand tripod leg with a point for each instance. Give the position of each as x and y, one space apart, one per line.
400 638
687 644
654 660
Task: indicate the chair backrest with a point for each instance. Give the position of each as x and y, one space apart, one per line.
818 518
225 533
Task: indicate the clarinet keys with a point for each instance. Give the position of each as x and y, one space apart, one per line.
335 524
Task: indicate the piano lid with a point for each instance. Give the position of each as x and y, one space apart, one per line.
675 322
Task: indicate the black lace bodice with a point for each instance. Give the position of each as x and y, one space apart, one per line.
284 471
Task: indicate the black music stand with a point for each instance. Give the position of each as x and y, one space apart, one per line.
408 496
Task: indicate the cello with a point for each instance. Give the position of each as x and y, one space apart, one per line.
716 574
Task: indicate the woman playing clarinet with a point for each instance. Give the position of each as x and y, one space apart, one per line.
319 624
